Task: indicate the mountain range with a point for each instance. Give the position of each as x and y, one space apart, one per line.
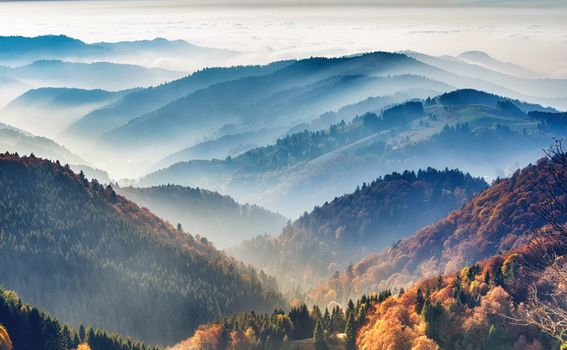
352 78
499 219
94 75
350 227
182 120
140 204
311 167
19 50
467 281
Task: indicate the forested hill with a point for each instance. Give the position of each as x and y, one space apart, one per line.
482 306
495 221
357 224
88 255
511 300
477 307
24 327
219 218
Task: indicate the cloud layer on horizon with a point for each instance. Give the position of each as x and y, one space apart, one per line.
536 38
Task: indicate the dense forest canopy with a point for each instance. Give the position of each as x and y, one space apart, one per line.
87 255
352 226
496 220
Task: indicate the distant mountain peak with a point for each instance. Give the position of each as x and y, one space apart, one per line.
484 59
475 54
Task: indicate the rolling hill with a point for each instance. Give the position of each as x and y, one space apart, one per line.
460 129
20 50
95 75
49 111
16 140
513 299
282 97
88 255
219 218
478 307
484 59
146 127
534 88
496 220
354 225
114 115
300 84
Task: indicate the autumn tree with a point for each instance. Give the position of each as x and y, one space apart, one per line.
546 307
83 346
5 341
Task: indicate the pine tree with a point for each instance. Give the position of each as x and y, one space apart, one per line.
82 334
350 332
225 335
327 320
319 338
350 306
419 301
498 277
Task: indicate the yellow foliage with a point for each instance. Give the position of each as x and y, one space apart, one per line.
424 343
5 341
250 334
84 346
11 297
392 329
465 273
474 287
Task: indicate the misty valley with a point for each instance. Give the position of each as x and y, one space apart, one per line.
157 193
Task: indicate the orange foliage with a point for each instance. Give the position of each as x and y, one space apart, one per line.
496 302
470 307
495 220
390 326
424 343
84 346
238 341
205 338
5 341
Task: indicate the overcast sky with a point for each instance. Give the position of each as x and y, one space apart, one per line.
411 3
533 34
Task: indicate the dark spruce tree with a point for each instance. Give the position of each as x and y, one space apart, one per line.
319 338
